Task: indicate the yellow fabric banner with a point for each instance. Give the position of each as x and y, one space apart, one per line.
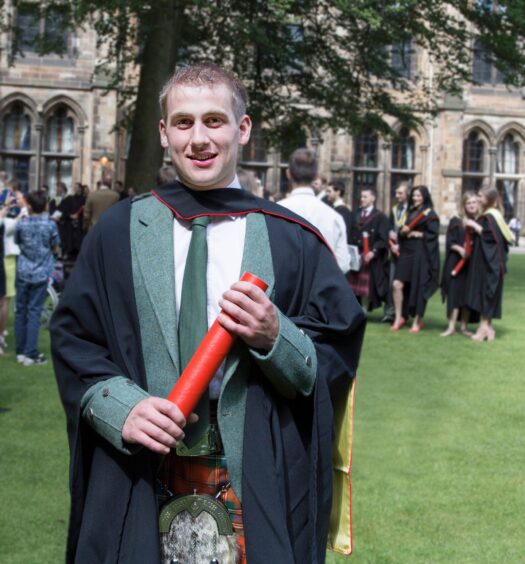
340 529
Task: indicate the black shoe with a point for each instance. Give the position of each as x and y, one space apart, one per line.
387 319
37 359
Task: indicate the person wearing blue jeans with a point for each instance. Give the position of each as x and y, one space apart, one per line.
38 239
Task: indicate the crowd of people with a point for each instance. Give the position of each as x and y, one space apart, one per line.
36 231
393 261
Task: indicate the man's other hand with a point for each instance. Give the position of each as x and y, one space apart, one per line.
155 423
251 315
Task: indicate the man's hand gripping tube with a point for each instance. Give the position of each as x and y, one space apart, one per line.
210 354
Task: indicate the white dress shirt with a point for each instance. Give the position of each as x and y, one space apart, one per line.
225 238
303 202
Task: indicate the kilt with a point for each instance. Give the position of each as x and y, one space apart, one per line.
206 474
360 281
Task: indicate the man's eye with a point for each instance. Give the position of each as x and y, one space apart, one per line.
183 123
214 121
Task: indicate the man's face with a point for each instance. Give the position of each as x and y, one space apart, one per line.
203 135
331 194
367 199
317 185
401 195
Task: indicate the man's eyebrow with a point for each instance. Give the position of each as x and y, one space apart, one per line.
182 114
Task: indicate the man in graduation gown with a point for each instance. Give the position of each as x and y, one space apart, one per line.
116 346
397 219
370 284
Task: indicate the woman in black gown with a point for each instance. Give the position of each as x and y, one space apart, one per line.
417 269
453 286
491 241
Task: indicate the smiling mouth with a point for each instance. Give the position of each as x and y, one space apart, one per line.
202 157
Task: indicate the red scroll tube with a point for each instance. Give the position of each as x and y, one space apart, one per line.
468 250
366 246
392 244
416 220
210 354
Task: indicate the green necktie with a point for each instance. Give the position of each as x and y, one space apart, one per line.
193 320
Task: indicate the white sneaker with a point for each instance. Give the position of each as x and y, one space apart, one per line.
39 358
20 358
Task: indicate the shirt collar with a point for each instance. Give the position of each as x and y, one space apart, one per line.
233 184
303 191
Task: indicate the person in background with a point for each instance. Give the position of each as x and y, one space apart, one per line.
515 227
320 184
3 214
55 201
417 269
38 239
484 285
119 188
453 285
131 192
11 252
249 181
301 172
370 283
166 175
334 197
397 219
72 232
6 195
97 203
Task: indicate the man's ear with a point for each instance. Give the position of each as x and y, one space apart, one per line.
245 128
163 135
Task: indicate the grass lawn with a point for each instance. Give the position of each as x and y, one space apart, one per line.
438 455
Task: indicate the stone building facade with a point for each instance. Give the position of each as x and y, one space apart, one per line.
57 123
57 119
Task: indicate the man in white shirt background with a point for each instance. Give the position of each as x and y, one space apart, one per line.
301 173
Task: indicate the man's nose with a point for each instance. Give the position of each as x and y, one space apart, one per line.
199 134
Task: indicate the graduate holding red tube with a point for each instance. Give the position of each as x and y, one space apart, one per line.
370 234
133 317
417 269
457 262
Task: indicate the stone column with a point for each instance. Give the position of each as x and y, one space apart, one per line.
492 165
81 130
387 159
38 165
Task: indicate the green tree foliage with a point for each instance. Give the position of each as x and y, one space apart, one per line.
308 64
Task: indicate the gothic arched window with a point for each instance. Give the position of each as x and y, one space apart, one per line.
59 148
507 168
403 160
16 143
474 159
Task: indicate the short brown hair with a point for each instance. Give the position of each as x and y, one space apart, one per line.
303 166
206 74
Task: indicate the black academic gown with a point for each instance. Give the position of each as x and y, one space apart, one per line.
287 443
453 287
376 225
484 284
71 230
348 218
420 258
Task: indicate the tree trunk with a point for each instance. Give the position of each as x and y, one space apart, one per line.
158 62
